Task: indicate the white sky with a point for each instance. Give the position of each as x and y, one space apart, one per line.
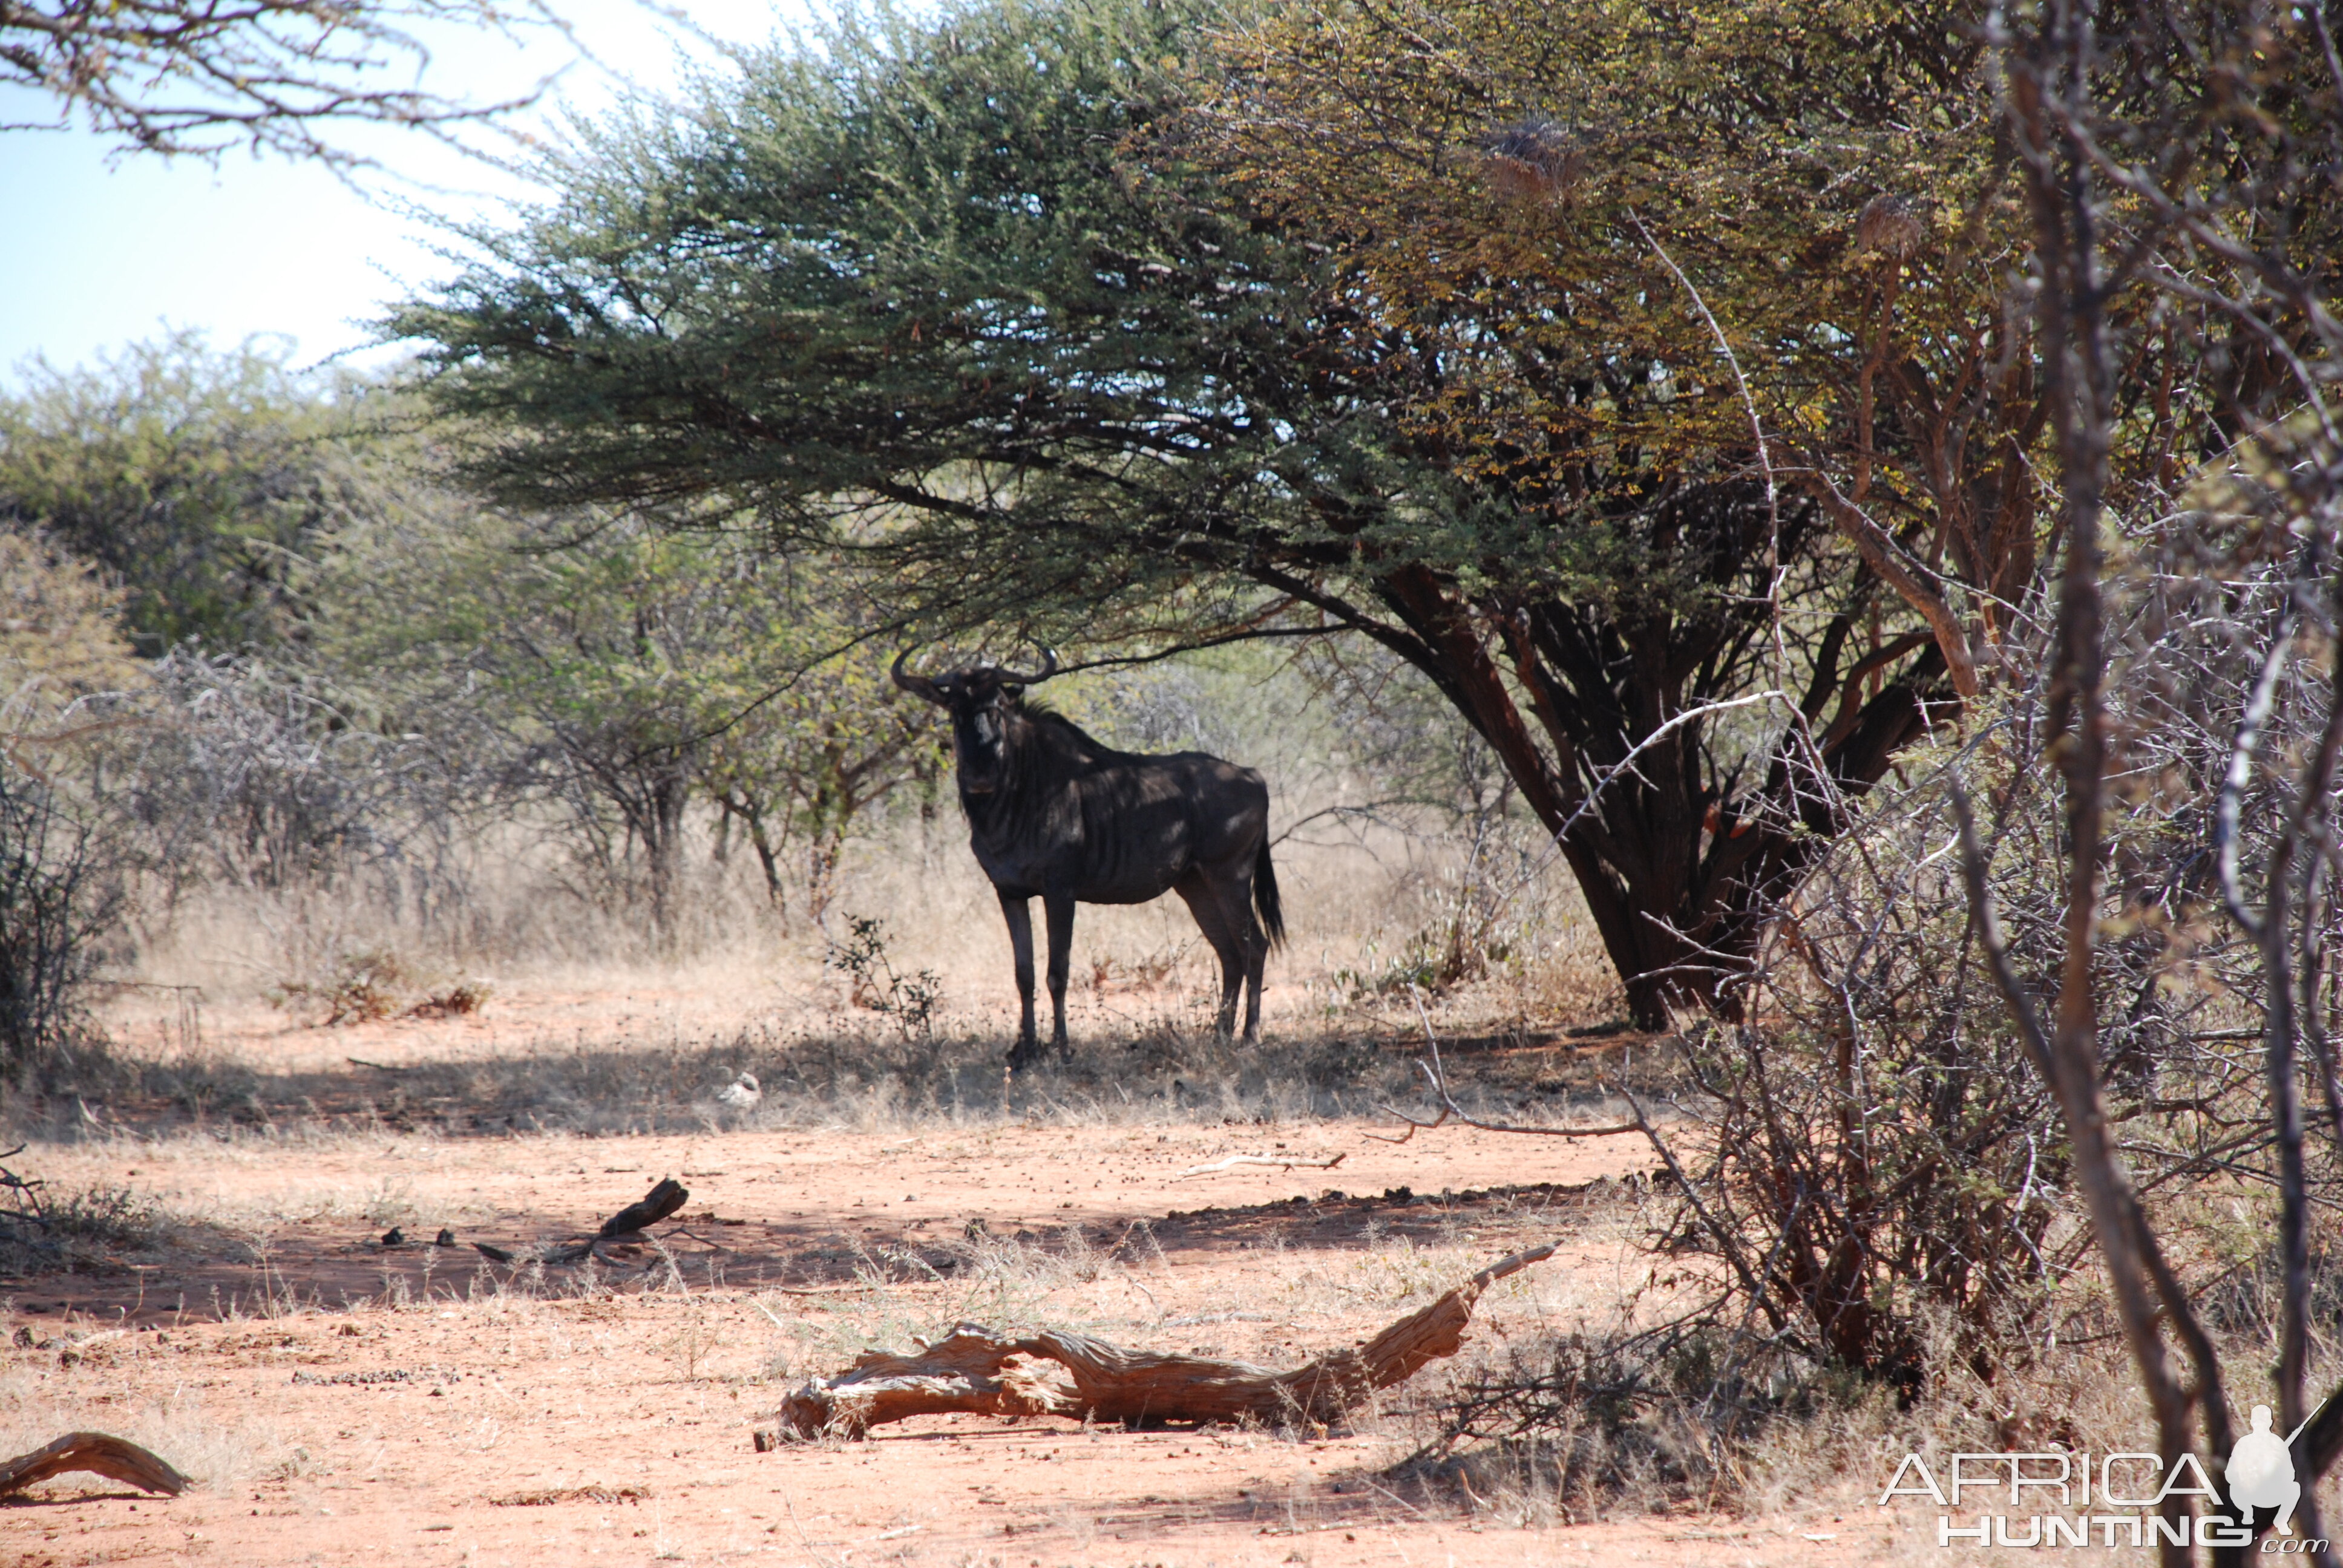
96 253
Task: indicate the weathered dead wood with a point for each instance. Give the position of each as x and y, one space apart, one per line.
111 1457
626 1226
657 1204
979 1372
1281 1161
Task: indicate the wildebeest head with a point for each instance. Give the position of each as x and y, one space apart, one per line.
984 702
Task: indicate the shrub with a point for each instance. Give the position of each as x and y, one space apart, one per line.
355 988
1878 1149
56 901
1880 1155
911 1000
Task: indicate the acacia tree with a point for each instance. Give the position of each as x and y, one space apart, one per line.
962 297
620 671
1615 244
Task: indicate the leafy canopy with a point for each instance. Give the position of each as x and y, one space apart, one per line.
1004 304
912 290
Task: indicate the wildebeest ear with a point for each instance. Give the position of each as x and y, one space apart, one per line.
1012 690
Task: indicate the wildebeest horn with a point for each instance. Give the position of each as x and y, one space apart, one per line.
1049 667
917 684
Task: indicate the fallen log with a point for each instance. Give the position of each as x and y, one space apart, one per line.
626 1227
662 1200
1277 1161
111 1457
976 1371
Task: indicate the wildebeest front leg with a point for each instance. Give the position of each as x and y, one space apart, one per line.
1019 913
1059 912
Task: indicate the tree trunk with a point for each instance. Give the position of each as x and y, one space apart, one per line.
663 846
1680 869
752 816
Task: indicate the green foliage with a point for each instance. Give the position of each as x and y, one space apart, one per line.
899 286
910 1000
1517 187
61 642
398 662
194 477
622 671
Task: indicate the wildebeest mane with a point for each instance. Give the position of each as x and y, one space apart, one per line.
1048 720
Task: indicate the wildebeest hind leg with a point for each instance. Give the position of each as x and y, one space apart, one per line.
1250 944
1203 900
1256 958
1019 915
1060 914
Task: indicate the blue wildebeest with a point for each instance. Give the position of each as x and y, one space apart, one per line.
1053 813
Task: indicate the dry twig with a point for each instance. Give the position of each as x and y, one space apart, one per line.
1436 1076
1280 1162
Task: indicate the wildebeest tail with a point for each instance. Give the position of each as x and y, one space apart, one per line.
1264 896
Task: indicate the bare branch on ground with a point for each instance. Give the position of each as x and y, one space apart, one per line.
976 1371
1435 1075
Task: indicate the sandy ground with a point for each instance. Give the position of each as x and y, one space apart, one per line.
349 1402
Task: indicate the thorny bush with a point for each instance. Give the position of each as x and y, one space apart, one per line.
911 1000
1871 1161
58 902
1870 1189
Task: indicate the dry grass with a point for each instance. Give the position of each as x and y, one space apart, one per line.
79 1230
215 1453
1161 1069
1612 1419
222 1027
1359 902
1606 1417
1628 1405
